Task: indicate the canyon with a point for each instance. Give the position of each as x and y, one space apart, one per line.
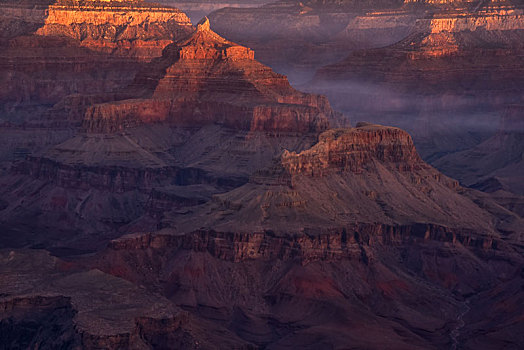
161 188
443 70
354 241
59 57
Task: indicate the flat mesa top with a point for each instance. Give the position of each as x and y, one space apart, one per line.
106 4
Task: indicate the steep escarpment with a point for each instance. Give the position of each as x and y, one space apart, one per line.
389 279
208 204
446 83
94 183
296 37
205 79
47 305
340 150
366 174
205 113
356 229
54 49
443 40
57 58
123 28
113 26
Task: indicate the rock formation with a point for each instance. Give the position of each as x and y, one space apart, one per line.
140 149
204 79
87 47
205 203
446 83
355 230
318 288
366 174
310 34
413 64
58 57
48 303
120 28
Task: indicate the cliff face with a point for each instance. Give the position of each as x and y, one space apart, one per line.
446 83
114 179
206 99
56 59
400 274
343 150
206 183
366 174
356 228
408 63
114 23
126 28
54 305
51 50
187 87
310 34
331 245
438 45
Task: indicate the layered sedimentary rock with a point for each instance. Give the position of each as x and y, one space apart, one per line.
205 113
495 164
54 49
92 183
48 303
460 56
205 79
122 28
309 34
352 149
212 186
378 286
424 61
446 83
354 230
58 57
365 174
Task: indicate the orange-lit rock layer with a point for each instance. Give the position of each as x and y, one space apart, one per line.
206 79
50 50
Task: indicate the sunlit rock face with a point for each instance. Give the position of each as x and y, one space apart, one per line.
55 49
447 83
311 34
59 57
351 149
127 28
205 203
407 63
205 114
205 79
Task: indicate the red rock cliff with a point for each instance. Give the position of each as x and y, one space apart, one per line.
352 149
205 79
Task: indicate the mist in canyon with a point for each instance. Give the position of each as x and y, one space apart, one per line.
261 174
